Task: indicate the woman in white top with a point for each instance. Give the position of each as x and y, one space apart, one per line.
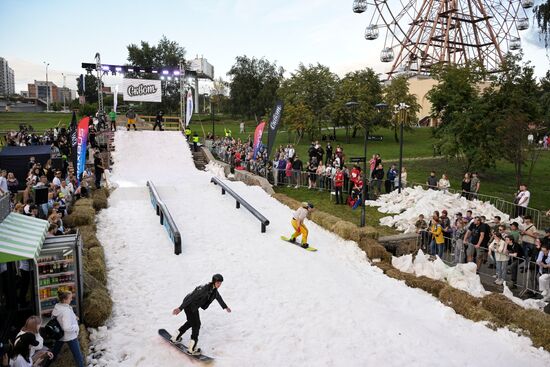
38 352
22 349
69 323
403 179
443 183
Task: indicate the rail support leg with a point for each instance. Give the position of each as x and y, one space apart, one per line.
238 205
223 191
263 228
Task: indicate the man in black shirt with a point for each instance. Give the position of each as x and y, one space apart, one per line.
158 121
98 170
477 237
297 168
432 181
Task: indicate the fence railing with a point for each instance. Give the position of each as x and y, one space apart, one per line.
240 201
166 219
521 271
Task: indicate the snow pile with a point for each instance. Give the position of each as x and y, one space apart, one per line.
460 276
415 201
537 304
215 169
290 307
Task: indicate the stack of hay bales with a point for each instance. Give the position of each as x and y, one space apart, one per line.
495 309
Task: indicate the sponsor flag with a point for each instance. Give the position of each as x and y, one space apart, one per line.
274 123
189 108
82 140
258 138
72 133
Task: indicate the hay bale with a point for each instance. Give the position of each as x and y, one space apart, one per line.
501 307
97 307
323 219
80 216
96 253
83 202
94 264
537 324
106 191
99 199
431 286
288 201
90 283
378 251
465 304
88 235
361 233
384 266
344 229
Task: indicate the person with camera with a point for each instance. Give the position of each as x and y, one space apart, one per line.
68 322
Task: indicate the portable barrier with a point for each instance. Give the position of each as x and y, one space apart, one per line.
166 219
240 201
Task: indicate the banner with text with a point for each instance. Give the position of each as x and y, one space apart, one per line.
258 138
142 90
82 142
273 125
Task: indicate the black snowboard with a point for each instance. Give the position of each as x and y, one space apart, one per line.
183 348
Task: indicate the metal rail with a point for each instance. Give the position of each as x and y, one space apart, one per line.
240 201
165 217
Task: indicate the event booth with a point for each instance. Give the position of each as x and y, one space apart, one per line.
16 160
33 269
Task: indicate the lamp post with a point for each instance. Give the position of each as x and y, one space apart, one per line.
401 109
47 88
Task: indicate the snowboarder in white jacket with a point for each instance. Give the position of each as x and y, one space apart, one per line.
201 297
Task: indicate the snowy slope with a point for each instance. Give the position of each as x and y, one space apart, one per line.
290 307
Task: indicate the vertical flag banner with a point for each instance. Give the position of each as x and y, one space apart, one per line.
74 141
189 108
115 99
258 138
274 123
82 140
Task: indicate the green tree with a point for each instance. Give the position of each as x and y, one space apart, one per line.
314 86
218 94
513 100
363 87
542 15
545 99
254 84
398 92
168 54
90 88
464 132
298 118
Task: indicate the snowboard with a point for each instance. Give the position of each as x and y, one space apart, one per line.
286 239
183 348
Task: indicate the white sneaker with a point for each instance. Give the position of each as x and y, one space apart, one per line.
175 338
192 350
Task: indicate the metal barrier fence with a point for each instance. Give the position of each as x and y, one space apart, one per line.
520 271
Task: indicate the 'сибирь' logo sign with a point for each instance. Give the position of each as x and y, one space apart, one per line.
141 90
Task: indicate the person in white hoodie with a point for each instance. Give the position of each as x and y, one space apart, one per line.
500 248
69 323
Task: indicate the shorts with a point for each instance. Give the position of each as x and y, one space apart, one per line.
471 250
131 121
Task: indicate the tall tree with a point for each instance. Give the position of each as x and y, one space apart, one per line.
463 131
254 84
298 118
314 86
165 54
398 92
219 94
542 15
363 87
90 88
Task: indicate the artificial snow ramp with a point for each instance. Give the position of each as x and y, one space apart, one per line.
290 307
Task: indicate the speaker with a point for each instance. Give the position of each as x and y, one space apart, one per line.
57 164
40 195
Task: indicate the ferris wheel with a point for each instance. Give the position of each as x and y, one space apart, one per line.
419 34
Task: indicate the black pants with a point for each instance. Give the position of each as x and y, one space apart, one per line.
98 179
159 124
513 266
193 322
339 196
113 125
520 211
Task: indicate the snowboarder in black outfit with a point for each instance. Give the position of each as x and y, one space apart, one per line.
158 121
201 297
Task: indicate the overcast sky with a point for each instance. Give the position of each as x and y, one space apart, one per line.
67 33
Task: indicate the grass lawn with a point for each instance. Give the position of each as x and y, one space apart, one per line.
322 201
40 121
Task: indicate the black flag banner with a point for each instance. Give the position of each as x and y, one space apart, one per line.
274 123
74 141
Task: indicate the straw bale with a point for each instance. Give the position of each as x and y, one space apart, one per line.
94 264
385 266
89 238
97 307
83 202
431 286
90 283
106 191
325 220
344 229
464 304
96 253
80 216
537 324
360 233
501 307
99 199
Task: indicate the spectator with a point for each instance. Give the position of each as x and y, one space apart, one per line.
372 165
522 200
288 172
112 119
338 185
21 355
543 271
474 186
421 227
390 179
131 116
468 218
528 236
98 170
437 244
378 178
329 176
241 127
329 152
445 222
37 353
321 175
443 184
159 118
3 182
431 182
297 168
403 179
57 179
69 323
477 238
312 173
466 185
458 242
499 247
13 184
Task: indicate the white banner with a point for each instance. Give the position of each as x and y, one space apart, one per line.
144 90
189 108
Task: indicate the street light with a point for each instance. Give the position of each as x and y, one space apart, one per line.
401 111
47 88
353 105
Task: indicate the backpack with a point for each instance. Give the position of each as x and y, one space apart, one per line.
52 330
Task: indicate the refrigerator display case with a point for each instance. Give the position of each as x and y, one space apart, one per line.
59 267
